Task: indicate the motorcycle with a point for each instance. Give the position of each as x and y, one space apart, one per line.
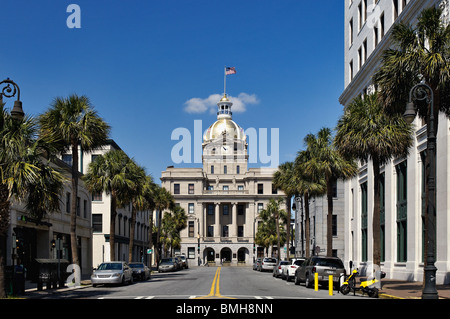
366 286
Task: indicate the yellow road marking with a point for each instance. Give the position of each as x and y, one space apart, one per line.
215 287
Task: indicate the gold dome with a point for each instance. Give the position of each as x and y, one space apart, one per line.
228 126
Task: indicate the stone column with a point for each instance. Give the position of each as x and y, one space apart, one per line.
234 223
217 220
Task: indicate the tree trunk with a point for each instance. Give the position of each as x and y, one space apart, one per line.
307 226
158 240
132 231
4 225
330 217
150 236
288 225
112 229
73 204
376 222
278 235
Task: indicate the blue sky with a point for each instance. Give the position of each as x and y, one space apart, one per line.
141 61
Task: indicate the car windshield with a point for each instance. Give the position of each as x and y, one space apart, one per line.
270 260
110 266
136 265
283 263
167 261
336 263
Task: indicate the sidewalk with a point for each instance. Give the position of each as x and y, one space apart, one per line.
397 289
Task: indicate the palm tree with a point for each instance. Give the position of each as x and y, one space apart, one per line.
366 132
328 163
419 54
172 223
27 174
284 179
75 124
163 200
135 196
269 233
308 186
111 173
275 213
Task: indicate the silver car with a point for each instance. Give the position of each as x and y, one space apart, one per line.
168 264
267 264
323 266
113 272
278 270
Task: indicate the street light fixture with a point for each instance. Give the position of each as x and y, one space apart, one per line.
8 91
422 92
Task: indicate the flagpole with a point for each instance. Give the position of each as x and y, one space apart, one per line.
225 80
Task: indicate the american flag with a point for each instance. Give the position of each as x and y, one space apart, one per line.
230 70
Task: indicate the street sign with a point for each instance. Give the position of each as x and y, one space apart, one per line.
149 251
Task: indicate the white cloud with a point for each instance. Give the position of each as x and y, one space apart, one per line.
199 105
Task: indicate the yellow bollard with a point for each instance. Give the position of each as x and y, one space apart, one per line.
330 285
316 281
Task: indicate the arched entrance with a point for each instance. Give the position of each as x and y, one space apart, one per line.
242 254
225 254
208 254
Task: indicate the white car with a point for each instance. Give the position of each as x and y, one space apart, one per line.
278 270
267 264
288 271
113 272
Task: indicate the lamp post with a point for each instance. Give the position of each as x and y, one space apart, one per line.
10 89
422 92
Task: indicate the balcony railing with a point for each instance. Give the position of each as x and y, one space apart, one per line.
224 192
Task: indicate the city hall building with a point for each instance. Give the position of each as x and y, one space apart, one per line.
367 35
223 197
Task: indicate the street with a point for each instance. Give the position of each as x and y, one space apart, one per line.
205 283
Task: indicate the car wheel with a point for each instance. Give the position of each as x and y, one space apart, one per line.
308 282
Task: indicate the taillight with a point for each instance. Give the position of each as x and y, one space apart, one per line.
293 267
279 267
313 269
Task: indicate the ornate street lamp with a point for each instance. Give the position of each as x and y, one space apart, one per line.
422 92
10 89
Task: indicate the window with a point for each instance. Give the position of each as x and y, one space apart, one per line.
191 208
78 206
382 217
240 209
350 28
360 57
97 223
191 229
240 231
360 16
260 189
67 158
364 50
68 202
225 169
334 189
382 25
191 189
85 208
260 207
240 188
274 190
210 187
225 231
334 225
351 70
375 35
191 252
94 157
176 188
212 169
401 212
225 187
395 7
211 231
238 169
97 197
210 209
364 238
226 209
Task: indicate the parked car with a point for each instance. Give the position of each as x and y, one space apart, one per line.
323 266
168 264
179 262
267 264
113 272
288 271
140 271
278 269
256 264
184 261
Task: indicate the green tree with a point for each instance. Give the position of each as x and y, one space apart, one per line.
163 200
419 53
74 123
284 179
326 162
366 132
308 186
111 173
27 174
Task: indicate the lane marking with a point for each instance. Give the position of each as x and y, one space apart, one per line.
214 292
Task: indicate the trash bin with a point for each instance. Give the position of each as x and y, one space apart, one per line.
48 273
9 280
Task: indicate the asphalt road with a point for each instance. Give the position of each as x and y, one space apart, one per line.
206 283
